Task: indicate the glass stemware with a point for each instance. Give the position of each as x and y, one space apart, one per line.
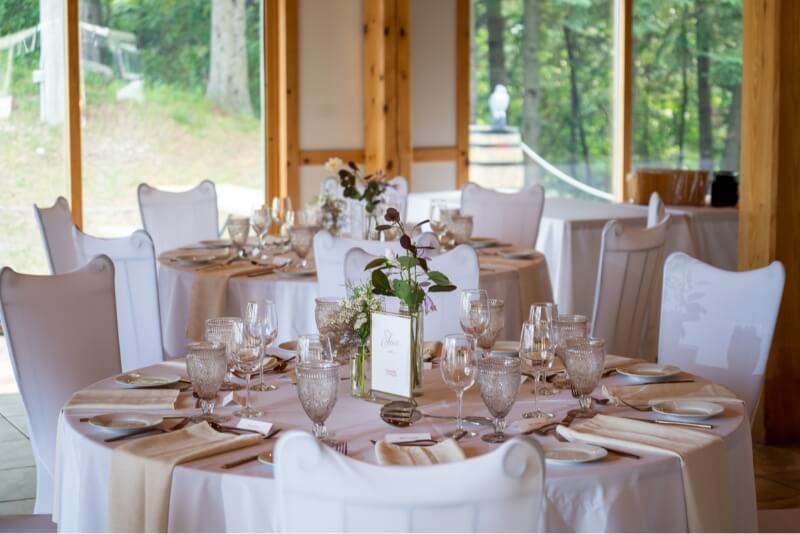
537 347
206 365
218 330
497 320
461 228
474 311
499 379
248 354
584 359
260 220
437 217
302 237
238 230
567 327
317 388
314 347
281 208
263 318
548 312
458 365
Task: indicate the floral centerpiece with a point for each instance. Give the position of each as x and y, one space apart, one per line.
368 189
332 215
411 282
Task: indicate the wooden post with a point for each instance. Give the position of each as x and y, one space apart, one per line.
374 85
72 62
769 217
462 90
402 83
622 140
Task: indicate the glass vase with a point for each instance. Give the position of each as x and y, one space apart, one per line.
417 347
370 225
361 372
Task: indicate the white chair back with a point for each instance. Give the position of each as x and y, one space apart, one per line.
55 225
461 266
397 194
351 496
138 316
355 260
175 219
655 210
329 187
510 217
61 332
627 280
719 324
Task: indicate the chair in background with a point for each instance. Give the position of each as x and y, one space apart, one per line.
627 280
176 219
461 266
655 210
55 225
61 333
449 497
397 194
509 217
355 260
136 288
719 324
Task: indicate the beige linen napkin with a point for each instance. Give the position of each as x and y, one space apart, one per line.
209 295
431 350
141 473
123 399
703 461
655 392
443 452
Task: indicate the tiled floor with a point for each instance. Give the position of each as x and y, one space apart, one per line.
777 469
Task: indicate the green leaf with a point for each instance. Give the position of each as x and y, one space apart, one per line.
408 262
381 282
377 262
402 290
442 288
438 278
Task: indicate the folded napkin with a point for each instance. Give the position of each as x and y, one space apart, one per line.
431 350
703 461
526 276
654 392
141 473
209 295
123 399
443 452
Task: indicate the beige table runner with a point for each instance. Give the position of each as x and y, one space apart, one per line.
123 399
526 278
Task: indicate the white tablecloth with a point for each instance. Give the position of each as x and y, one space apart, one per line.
294 298
616 494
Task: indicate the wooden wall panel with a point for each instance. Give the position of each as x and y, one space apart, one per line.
374 85
622 136
72 138
462 90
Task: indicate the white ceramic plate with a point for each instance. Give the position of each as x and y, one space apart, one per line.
265 458
506 347
295 272
289 346
198 257
482 242
572 453
518 254
209 243
136 380
122 423
688 409
648 372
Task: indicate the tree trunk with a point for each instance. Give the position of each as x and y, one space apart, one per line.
495 24
530 100
575 102
227 75
90 11
473 51
684 89
732 137
703 38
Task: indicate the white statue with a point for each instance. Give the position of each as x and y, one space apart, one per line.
498 104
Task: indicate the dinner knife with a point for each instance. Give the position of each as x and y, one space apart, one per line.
704 426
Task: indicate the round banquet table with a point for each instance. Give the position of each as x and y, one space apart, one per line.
615 494
294 298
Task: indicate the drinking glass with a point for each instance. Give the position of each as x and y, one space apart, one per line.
567 327
238 230
458 366
263 318
206 365
437 216
281 208
584 359
260 220
317 387
537 347
302 237
474 311
545 311
248 355
461 228
499 379
314 347
497 320
218 330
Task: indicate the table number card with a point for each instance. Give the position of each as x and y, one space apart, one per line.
391 354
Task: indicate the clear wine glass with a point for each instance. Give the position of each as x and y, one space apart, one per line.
302 237
548 312
238 230
584 359
206 365
499 379
497 320
458 366
437 216
474 311
282 213
260 220
248 356
264 319
537 347
317 388
219 330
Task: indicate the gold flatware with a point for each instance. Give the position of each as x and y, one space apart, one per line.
150 431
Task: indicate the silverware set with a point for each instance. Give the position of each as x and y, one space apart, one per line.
458 436
144 431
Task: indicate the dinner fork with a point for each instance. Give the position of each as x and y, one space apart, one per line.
341 447
637 408
144 431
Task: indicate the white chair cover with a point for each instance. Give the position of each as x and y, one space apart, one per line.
510 217
462 268
138 316
55 225
655 210
355 260
502 491
719 324
176 219
330 187
61 332
397 194
627 281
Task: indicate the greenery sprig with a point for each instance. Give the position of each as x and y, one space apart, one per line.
374 186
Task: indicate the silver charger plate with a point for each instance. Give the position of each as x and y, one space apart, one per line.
572 453
482 242
293 272
123 423
136 380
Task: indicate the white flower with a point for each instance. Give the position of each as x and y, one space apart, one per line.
390 255
333 165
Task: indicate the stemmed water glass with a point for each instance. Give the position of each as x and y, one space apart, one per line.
567 327
262 316
260 220
584 359
548 312
238 230
537 347
206 365
474 312
302 237
317 388
458 367
248 354
219 330
499 379
497 320
437 217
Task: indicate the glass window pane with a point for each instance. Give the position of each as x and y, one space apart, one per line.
554 59
171 97
31 125
688 75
